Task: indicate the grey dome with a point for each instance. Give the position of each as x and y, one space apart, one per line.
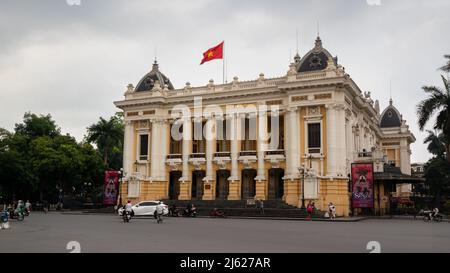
316 59
148 81
390 117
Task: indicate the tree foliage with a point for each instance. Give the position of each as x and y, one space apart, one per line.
108 136
36 160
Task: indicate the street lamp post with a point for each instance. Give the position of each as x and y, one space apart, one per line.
119 192
302 171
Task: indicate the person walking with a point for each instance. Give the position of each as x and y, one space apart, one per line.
159 212
261 207
332 211
310 210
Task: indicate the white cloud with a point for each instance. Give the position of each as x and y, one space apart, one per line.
74 61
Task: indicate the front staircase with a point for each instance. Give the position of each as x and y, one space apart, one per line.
240 208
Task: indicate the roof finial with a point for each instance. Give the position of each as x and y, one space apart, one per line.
390 93
297 57
318 28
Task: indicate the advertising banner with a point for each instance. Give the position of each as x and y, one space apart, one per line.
362 185
111 187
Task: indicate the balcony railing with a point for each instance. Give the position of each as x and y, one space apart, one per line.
174 156
365 154
247 153
222 154
275 152
197 155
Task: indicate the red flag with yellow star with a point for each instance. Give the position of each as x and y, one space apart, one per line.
213 53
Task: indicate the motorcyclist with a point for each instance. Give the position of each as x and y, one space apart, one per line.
127 211
4 219
189 208
128 207
20 210
28 206
434 213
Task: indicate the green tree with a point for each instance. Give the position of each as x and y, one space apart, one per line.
36 126
437 175
108 136
438 102
436 143
446 68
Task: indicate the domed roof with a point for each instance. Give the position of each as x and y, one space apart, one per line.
390 117
316 59
148 81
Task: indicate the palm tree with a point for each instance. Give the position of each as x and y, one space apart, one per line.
438 102
106 134
446 68
436 143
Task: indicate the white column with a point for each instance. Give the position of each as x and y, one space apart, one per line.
128 148
154 153
405 164
261 141
187 136
163 149
292 151
209 147
234 148
331 140
340 140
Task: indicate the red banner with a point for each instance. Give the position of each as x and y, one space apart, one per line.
111 187
362 185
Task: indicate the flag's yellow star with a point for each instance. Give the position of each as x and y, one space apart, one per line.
210 54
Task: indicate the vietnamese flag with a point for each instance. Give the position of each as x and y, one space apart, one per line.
213 53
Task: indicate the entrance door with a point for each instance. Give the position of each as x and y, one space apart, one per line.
197 185
248 188
222 186
174 185
276 184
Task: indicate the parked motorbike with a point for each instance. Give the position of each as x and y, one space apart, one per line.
429 216
191 213
217 213
174 212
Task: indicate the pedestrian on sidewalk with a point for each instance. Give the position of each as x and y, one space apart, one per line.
261 206
332 211
310 210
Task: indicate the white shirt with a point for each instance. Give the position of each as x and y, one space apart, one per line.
128 207
160 208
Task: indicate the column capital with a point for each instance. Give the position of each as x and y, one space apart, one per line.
291 109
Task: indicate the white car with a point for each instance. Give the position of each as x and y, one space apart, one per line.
145 208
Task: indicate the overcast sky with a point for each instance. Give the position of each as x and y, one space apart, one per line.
73 61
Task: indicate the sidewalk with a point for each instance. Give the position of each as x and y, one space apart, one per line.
339 219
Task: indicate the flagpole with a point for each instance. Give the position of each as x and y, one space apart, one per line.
223 64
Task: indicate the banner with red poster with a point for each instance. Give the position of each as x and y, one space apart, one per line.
111 187
362 185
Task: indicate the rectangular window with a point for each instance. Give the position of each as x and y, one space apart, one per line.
222 143
176 139
248 126
276 133
314 138
199 142
143 147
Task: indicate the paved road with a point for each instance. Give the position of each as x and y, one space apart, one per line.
107 233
